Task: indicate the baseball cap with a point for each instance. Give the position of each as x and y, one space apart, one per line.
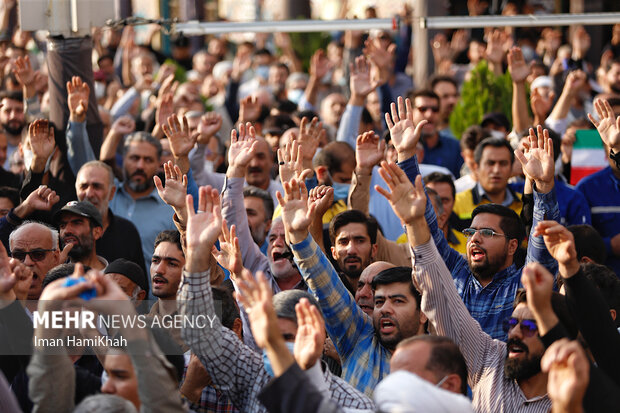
81 208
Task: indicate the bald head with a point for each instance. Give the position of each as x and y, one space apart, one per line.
363 293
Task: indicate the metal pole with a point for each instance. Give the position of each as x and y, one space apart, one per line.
531 20
420 45
195 28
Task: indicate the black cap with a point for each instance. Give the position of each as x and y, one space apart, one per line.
81 208
497 118
130 270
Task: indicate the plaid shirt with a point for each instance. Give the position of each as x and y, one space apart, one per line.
212 401
492 304
235 369
364 360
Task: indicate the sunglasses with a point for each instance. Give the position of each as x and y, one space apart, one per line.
35 255
423 109
485 232
528 327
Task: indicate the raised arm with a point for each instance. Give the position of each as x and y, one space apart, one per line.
584 299
518 73
219 349
337 304
369 152
538 166
79 150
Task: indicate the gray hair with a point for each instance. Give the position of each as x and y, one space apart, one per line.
284 303
53 232
134 294
262 194
193 114
105 403
141 136
99 164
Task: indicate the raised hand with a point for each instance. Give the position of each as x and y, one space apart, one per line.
78 93
241 63
122 126
538 283
382 60
296 214
41 137
516 65
322 197
256 297
360 82
310 135
541 105
561 245
168 85
242 149
181 142
175 190
405 135
203 228
495 50
24 72
608 126
569 372
249 109
229 254
369 151
290 161
210 124
23 276
7 278
537 161
407 201
164 110
310 336
320 65
41 199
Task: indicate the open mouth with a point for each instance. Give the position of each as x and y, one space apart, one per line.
277 256
158 281
477 254
367 308
386 326
70 240
516 350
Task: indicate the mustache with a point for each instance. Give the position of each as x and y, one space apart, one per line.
518 343
139 172
160 277
254 169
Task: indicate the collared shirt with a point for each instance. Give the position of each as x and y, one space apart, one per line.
492 304
465 202
150 214
364 359
482 194
236 369
602 191
484 356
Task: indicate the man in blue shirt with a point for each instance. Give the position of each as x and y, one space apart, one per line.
439 147
488 279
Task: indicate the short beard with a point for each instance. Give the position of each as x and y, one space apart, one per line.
522 369
81 250
136 187
488 270
615 88
11 130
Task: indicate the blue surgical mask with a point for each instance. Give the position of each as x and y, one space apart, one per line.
267 362
295 95
341 191
262 71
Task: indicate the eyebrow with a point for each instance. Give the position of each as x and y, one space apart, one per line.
166 258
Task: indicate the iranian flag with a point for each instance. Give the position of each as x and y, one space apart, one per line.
588 155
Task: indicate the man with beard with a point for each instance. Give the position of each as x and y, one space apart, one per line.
12 120
612 77
259 209
448 91
488 279
80 224
439 148
364 344
136 198
502 376
95 183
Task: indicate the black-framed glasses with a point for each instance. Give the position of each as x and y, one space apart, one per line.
528 327
36 255
485 232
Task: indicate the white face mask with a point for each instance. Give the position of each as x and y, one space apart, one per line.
28 156
99 90
208 165
497 134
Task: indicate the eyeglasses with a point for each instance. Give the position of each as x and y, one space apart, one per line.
35 255
528 327
423 109
485 232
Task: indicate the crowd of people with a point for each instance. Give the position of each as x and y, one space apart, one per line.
349 252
